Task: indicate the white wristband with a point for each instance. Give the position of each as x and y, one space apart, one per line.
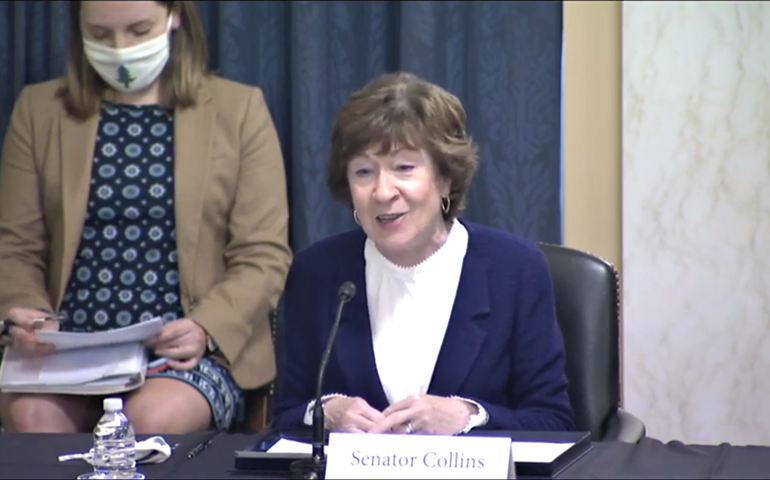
479 419
308 419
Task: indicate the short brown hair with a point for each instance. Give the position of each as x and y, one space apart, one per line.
84 88
401 110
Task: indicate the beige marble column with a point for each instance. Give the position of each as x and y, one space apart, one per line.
696 219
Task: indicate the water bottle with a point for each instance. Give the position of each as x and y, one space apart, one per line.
114 444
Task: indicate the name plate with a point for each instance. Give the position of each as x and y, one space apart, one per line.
367 456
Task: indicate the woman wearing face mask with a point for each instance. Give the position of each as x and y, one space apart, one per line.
454 325
141 186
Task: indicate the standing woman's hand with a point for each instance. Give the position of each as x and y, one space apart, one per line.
24 323
182 341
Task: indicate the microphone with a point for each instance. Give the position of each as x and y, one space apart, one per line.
315 467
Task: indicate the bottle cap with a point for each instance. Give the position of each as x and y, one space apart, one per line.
112 404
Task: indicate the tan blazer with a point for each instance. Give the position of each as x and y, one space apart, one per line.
231 213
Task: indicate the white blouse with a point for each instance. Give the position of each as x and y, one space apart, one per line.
409 310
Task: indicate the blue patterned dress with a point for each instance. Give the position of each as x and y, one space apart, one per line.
126 268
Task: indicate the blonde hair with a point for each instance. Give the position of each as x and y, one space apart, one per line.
84 89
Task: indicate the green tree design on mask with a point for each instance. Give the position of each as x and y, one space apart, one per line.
124 76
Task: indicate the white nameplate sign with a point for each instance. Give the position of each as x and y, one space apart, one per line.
368 456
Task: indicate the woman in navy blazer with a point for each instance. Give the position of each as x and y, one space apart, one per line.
453 326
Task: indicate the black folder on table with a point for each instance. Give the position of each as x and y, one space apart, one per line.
257 459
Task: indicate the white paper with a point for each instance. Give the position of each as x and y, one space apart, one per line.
134 333
537 452
75 367
97 364
529 452
290 446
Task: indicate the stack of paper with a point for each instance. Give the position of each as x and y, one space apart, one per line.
535 452
108 362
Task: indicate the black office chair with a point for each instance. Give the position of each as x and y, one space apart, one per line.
588 310
259 408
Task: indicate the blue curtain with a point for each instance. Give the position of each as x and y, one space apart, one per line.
503 59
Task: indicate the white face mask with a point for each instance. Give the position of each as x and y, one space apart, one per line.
132 69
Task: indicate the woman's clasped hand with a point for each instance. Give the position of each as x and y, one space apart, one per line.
423 414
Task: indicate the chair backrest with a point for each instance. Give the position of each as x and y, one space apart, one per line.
587 307
259 405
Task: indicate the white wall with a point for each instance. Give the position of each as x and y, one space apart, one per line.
696 219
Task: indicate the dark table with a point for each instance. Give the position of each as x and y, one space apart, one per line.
35 456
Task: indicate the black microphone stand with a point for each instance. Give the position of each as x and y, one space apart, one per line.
314 468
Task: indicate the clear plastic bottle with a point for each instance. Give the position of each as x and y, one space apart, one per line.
114 444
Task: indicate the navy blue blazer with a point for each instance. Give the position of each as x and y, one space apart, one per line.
503 347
